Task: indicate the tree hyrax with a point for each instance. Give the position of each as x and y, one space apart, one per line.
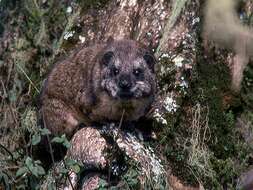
95 84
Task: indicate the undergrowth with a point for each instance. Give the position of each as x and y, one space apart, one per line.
203 143
31 34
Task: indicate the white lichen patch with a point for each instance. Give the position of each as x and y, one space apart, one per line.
182 85
164 70
195 20
130 3
69 10
68 35
82 39
165 67
164 55
178 60
29 120
159 118
170 105
157 168
150 165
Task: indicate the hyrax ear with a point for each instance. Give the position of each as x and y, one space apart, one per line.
150 60
107 57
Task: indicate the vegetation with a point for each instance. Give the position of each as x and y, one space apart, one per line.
204 138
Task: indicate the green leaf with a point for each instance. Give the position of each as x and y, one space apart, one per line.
21 171
66 143
133 181
75 168
45 131
70 162
63 140
34 167
30 165
37 162
36 139
21 187
12 95
51 186
102 184
34 171
57 140
162 187
41 170
63 171
29 162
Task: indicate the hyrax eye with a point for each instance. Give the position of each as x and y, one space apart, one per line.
137 72
115 71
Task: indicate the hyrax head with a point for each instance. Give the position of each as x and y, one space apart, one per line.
127 70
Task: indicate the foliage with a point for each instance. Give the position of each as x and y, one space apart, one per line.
28 174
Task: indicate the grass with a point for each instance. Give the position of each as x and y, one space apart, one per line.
199 156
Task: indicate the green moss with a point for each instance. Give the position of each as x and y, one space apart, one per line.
247 87
226 143
166 72
172 138
95 4
221 146
211 84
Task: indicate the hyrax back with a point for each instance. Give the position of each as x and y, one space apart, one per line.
97 84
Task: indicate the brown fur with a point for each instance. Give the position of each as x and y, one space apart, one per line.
73 92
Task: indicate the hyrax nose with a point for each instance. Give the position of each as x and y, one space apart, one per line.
124 82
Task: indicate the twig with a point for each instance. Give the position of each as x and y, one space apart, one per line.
21 69
178 6
114 145
68 175
120 125
9 73
4 89
13 114
121 119
12 167
3 147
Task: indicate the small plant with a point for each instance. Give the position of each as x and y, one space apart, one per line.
61 140
31 167
36 138
131 178
103 185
